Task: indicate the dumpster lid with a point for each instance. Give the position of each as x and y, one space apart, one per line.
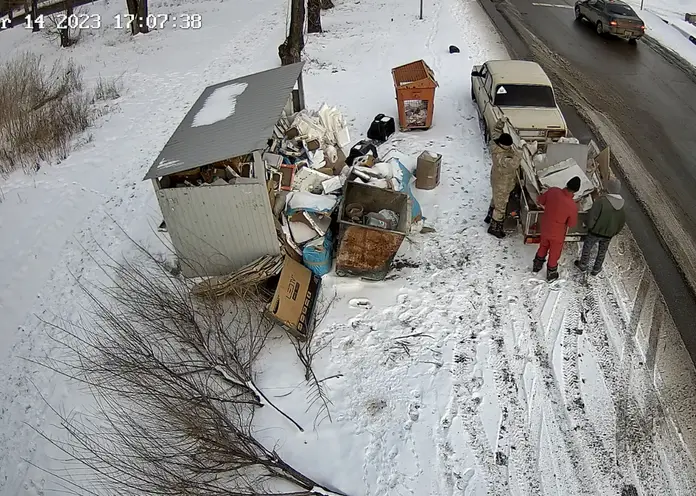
416 74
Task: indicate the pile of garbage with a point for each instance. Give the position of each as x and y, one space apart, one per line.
360 206
308 172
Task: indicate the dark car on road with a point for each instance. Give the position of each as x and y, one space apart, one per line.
611 17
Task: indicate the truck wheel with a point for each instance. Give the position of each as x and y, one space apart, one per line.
473 96
600 28
578 15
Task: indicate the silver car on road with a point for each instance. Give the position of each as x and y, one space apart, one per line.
611 17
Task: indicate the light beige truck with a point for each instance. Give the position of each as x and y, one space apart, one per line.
522 92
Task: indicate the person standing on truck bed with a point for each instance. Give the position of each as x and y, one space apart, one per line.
605 220
506 161
560 213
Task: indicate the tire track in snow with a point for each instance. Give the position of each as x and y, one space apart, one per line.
581 475
600 459
637 425
633 443
465 393
508 364
465 402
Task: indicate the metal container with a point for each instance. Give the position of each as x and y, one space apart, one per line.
368 251
428 170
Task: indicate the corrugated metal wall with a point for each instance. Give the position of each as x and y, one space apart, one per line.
218 229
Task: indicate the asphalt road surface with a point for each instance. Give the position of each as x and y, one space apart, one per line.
652 102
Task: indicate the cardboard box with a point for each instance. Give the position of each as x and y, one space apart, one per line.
293 302
337 165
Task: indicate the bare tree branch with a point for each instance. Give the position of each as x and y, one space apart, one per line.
173 383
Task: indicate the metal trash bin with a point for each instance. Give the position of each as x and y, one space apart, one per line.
366 251
415 95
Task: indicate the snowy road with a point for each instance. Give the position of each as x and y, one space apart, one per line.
465 376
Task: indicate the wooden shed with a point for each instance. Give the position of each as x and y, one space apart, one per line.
210 178
415 95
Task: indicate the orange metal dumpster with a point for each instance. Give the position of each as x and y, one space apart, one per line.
415 95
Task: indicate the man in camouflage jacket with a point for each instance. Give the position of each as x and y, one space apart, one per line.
506 161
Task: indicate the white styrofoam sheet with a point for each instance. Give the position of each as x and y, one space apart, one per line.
559 175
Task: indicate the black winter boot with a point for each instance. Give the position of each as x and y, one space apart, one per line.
537 264
551 273
496 229
489 216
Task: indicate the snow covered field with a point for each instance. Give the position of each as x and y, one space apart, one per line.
462 374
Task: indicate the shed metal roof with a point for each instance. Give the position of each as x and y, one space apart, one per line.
228 119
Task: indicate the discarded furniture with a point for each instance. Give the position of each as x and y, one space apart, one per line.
415 95
368 251
218 228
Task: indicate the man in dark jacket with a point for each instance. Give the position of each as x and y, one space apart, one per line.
606 219
560 213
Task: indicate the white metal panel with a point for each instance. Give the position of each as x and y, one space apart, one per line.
218 229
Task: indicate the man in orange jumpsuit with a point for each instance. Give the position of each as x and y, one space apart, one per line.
560 213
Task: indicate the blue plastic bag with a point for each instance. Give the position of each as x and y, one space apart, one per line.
317 255
406 177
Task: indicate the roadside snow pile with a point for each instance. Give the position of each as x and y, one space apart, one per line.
665 22
673 35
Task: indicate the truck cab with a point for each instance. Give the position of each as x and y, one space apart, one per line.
522 92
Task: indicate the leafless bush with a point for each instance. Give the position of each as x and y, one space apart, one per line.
174 384
107 89
41 110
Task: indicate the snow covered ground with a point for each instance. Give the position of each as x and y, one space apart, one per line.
462 374
665 22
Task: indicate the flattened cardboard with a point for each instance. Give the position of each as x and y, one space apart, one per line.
293 302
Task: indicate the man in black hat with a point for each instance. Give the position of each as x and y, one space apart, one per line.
506 161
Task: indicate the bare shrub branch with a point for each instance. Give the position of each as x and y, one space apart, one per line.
107 89
305 351
41 111
174 389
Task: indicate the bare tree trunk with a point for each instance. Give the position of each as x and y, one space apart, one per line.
133 11
327 4
65 30
314 16
290 51
34 15
142 15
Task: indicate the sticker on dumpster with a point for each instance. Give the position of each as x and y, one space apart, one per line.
501 91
